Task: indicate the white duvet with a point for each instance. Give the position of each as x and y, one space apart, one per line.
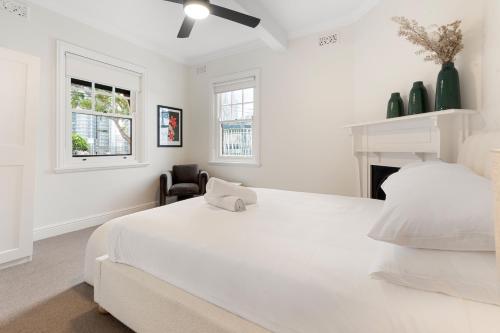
296 262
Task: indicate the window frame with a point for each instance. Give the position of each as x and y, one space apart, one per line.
65 161
216 157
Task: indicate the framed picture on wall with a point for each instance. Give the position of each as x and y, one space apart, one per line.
169 126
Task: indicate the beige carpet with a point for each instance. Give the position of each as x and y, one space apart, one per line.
48 295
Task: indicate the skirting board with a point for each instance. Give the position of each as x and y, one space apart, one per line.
15 262
86 222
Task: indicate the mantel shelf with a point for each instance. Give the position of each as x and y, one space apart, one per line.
435 114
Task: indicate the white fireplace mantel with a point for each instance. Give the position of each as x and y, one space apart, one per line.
399 141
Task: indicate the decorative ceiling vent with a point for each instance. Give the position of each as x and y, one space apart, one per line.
15 8
329 39
201 69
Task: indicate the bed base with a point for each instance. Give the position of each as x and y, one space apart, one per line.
149 305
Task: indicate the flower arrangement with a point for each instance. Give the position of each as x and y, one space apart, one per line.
441 45
171 128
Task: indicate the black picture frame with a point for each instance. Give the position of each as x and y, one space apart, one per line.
169 127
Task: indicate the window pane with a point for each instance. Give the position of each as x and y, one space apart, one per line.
236 139
113 136
122 93
122 105
236 112
237 97
103 98
99 135
102 89
103 103
83 134
248 95
225 112
225 98
248 111
81 94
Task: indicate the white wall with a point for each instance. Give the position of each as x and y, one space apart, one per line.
387 63
491 65
310 93
67 197
306 97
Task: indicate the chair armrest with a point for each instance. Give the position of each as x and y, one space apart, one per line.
165 185
202 181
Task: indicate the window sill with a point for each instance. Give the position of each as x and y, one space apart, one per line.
73 169
249 164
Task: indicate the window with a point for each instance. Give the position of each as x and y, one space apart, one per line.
102 118
235 109
235 119
101 122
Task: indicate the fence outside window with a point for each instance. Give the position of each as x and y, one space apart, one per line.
236 139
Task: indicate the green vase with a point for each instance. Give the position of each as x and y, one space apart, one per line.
395 108
448 88
419 100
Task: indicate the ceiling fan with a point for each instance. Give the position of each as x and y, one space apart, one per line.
200 9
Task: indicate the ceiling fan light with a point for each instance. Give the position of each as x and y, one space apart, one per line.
197 11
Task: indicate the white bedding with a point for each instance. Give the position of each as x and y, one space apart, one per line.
296 262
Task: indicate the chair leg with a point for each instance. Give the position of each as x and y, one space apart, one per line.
163 190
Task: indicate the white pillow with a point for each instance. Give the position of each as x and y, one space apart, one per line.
469 275
437 206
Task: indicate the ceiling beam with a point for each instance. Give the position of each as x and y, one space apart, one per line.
269 30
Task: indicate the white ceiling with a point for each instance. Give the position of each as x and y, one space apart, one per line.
304 17
154 24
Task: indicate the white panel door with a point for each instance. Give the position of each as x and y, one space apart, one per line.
19 102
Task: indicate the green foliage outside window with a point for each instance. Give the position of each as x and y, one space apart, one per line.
103 103
79 100
79 143
122 105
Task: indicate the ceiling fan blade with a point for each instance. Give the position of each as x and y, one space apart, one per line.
176 1
186 28
234 16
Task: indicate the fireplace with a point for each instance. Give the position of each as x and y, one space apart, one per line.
405 140
379 174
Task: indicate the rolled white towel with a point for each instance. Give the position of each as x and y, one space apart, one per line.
219 188
230 203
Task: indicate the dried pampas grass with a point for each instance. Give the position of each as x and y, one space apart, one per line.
441 45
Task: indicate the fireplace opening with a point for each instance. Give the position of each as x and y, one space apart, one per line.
379 174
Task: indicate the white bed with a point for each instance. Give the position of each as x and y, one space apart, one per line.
296 262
